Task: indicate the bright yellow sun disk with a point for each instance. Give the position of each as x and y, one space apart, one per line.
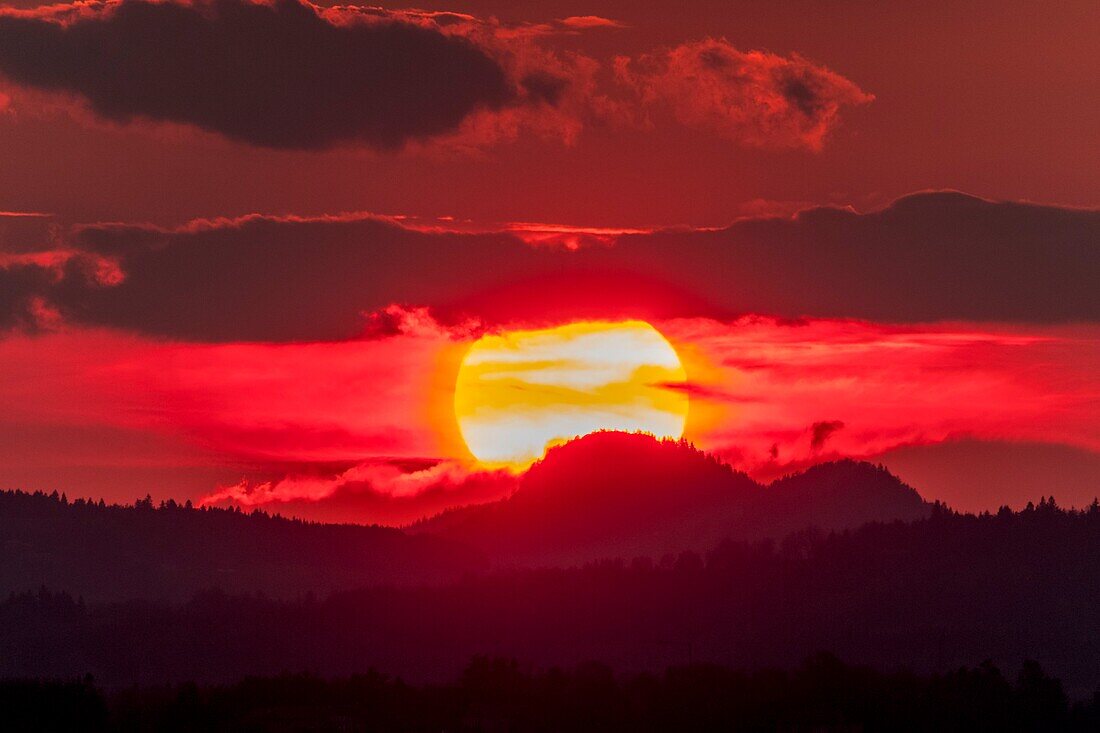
519 392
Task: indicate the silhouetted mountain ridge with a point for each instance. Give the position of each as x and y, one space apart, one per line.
620 494
601 496
143 551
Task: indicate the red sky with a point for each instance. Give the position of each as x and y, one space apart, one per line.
98 411
253 264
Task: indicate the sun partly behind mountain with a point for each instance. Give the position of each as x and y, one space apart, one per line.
519 392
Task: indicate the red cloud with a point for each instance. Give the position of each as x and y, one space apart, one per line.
387 478
590 21
752 97
569 237
379 492
21 214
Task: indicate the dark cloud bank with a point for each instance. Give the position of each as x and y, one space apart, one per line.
933 256
275 74
287 74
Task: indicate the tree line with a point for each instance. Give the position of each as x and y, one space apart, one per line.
499 694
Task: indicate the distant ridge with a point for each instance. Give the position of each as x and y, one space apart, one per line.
171 551
620 494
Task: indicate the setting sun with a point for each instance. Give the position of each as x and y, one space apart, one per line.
521 391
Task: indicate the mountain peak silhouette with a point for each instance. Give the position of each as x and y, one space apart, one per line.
629 494
609 467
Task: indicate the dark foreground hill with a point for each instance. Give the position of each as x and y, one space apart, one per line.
105 552
500 695
929 595
613 494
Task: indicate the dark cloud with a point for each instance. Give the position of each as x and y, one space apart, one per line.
544 86
20 288
281 279
820 432
927 257
708 392
278 74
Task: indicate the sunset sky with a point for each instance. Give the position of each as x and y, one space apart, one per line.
248 250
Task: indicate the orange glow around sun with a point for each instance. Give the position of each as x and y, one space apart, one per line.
519 392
